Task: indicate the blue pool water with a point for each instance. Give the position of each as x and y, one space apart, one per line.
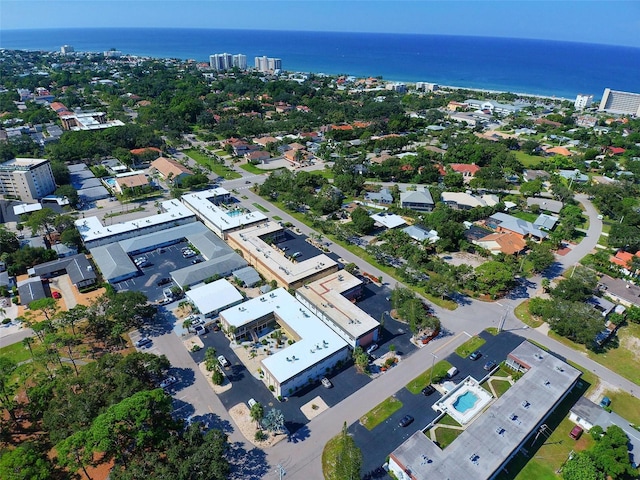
110 181
465 401
234 213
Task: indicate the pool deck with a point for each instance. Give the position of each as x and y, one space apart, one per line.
468 385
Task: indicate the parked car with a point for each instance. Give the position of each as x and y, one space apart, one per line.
142 342
326 383
475 355
490 365
372 348
224 363
56 294
428 390
167 382
251 403
200 330
163 281
605 402
189 254
576 432
197 260
405 421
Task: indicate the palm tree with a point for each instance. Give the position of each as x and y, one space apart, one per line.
257 413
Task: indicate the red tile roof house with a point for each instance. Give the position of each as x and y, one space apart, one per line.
623 260
467 170
616 150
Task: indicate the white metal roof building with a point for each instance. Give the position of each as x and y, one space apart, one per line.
317 347
213 297
388 220
94 234
272 263
114 263
496 436
222 220
330 299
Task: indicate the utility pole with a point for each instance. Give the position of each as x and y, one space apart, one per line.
433 364
280 471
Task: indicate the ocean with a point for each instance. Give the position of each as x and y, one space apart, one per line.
549 68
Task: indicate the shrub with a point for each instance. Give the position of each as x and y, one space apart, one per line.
280 399
217 377
195 348
260 436
272 388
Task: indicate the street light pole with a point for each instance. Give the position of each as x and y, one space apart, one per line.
280 471
433 364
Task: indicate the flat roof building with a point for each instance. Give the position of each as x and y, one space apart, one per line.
87 121
213 297
495 437
272 263
95 234
332 300
210 209
316 347
622 103
26 179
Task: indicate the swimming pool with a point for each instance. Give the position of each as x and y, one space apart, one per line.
465 401
110 181
234 213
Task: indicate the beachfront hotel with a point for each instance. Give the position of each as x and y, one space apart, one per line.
493 434
27 179
622 103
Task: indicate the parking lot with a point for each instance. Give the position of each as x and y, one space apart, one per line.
294 243
245 386
386 437
161 262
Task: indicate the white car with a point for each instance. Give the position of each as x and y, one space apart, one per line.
326 383
167 382
200 330
224 363
372 348
251 403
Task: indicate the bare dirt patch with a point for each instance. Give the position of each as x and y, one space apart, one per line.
632 344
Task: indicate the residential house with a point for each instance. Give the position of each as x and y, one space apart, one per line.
574 175
421 235
502 242
171 170
623 260
466 201
502 222
78 267
530 175
382 197
257 156
546 222
419 200
468 170
130 181
30 290
564 151
626 293
547 204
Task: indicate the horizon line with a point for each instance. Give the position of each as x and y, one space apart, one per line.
637 47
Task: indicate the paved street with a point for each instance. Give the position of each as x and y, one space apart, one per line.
301 456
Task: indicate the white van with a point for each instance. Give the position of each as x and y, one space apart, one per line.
452 372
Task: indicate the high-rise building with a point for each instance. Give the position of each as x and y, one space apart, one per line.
28 179
265 64
623 103
583 101
66 49
240 61
225 61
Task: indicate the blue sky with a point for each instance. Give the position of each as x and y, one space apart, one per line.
610 22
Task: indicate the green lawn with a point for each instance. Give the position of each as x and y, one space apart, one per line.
329 455
16 352
380 413
260 207
492 330
448 420
326 173
522 312
622 360
422 380
446 436
625 405
528 160
469 346
442 303
209 163
500 386
277 218
526 216
252 169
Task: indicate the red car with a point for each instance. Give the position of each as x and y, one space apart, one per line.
56 295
